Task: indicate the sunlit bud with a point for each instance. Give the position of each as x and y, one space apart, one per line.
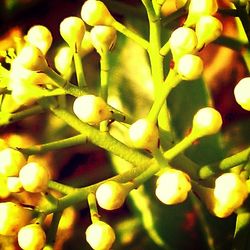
86 45
144 134
96 13
111 195
190 67
11 161
3 144
172 186
72 30
14 184
63 61
182 41
13 217
198 8
40 36
100 236
30 57
103 38
207 29
31 237
242 93
4 191
180 3
34 177
91 109
206 121
230 192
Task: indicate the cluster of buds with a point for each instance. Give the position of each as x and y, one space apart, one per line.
200 29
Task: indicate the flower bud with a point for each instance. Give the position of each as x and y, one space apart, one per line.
172 186
31 237
40 37
100 236
11 161
14 184
180 3
63 60
86 45
190 67
207 29
3 144
13 217
72 30
103 38
96 13
144 134
111 195
230 192
34 177
206 121
30 57
91 109
4 191
242 93
198 8
183 40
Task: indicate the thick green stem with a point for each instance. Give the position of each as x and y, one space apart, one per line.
102 139
64 189
130 34
225 164
79 71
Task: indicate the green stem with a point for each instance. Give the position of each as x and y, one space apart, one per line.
162 162
225 164
150 10
64 84
79 71
130 34
64 189
55 145
93 208
102 139
51 234
171 81
180 147
22 114
165 49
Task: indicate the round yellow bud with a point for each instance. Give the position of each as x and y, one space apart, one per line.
111 195
13 217
34 177
230 192
207 29
144 134
11 161
100 235
72 30
63 60
31 237
180 3
91 109
103 38
96 13
183 40
86 45
40 37
190 67
4 191
14 184
3 144
242 93
172 186
206 121
30 57
198 8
